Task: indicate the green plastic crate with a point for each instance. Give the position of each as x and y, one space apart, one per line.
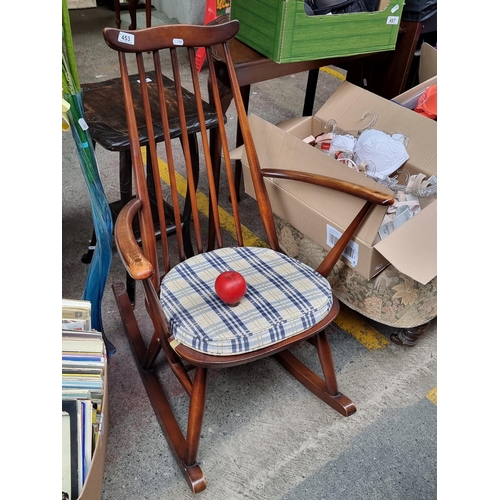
282 31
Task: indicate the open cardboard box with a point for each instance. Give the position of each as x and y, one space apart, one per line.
92 487
427 76
318 212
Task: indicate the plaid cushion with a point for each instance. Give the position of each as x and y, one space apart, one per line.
284 297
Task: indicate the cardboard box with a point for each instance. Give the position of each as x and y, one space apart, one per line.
283 32
318 213
427 76
92 487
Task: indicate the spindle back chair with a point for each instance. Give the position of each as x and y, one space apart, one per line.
286 302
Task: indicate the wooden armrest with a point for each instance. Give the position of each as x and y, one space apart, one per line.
370 196
330 182
138 266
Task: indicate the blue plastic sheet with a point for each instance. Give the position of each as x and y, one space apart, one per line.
101 214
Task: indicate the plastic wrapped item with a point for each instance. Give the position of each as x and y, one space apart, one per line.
345 141
417 185
427 103
325 7
382 153
419 10
369 151
411 196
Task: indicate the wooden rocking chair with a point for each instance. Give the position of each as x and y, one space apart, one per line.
286 302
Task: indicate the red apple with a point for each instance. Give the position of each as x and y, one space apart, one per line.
230 286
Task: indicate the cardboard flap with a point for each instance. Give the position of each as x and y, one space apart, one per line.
412 249
427 75
409 99
428 62
236 153
292 122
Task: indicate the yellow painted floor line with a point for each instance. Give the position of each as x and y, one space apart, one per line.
432 395
225 217
333 72
353 324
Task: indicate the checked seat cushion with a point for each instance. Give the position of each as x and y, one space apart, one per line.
284 298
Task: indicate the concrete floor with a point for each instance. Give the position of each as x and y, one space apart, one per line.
273 440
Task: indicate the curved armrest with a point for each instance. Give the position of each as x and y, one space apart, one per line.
330 182
370 196
138 266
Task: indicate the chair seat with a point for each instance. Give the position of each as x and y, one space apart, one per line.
284 298
105 113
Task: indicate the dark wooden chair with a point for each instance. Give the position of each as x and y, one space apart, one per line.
105 116
286 302
132 9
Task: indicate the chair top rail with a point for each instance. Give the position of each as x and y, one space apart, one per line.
169 36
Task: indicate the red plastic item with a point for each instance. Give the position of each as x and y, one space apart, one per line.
210 15
427 104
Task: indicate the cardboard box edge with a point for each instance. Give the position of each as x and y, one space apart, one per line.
92 489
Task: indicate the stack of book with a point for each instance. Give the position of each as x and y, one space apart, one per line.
83 381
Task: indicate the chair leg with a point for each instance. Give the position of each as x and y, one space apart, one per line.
326 389
196 410
186 216
132 9
117 14
87 257
130 288
148 13
125 180
326 360
181 448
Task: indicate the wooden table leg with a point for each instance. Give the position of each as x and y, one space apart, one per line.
227 96
118 20
245 94
312 83
402 58
386 73
132 9
148 13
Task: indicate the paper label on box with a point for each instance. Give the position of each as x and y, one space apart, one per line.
351 250
394 20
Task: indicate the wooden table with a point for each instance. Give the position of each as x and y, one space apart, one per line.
388 74
252 67
389 70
